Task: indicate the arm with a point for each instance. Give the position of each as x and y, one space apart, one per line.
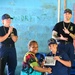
38 68
34 64
72 35
68 32
2 38
64 62
55 36
14 38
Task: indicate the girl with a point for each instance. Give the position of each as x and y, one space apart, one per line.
30 62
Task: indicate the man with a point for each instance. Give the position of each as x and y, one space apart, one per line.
64 33
8 37
61 57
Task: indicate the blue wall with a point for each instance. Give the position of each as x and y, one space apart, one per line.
33 19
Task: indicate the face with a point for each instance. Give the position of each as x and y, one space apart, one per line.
53 48
34 48
67 16
6 22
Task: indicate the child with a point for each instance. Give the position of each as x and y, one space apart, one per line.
41 59
30 62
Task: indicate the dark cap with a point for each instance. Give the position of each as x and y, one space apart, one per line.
52 41
6 16
68 11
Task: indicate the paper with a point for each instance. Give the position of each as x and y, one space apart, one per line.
49 60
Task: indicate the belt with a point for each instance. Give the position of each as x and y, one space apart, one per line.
7 45
65 42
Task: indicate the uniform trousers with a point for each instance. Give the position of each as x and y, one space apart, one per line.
8 57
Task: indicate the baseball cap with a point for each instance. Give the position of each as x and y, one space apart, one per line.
6 16
52 41
68 10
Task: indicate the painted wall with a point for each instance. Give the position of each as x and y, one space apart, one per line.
33 19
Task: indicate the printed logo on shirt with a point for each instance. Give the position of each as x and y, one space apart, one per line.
71 28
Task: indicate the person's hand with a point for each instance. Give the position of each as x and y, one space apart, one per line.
63 38
10 30
66 30
57 58
49 70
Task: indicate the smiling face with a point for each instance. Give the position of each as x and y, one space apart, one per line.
33 47
53 48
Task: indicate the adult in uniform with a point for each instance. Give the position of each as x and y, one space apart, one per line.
62 59
8 37
64 33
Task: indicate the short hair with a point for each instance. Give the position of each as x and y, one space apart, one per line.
31 42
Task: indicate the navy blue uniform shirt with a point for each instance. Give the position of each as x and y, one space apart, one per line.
59 68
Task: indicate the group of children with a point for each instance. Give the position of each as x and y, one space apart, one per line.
33 63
